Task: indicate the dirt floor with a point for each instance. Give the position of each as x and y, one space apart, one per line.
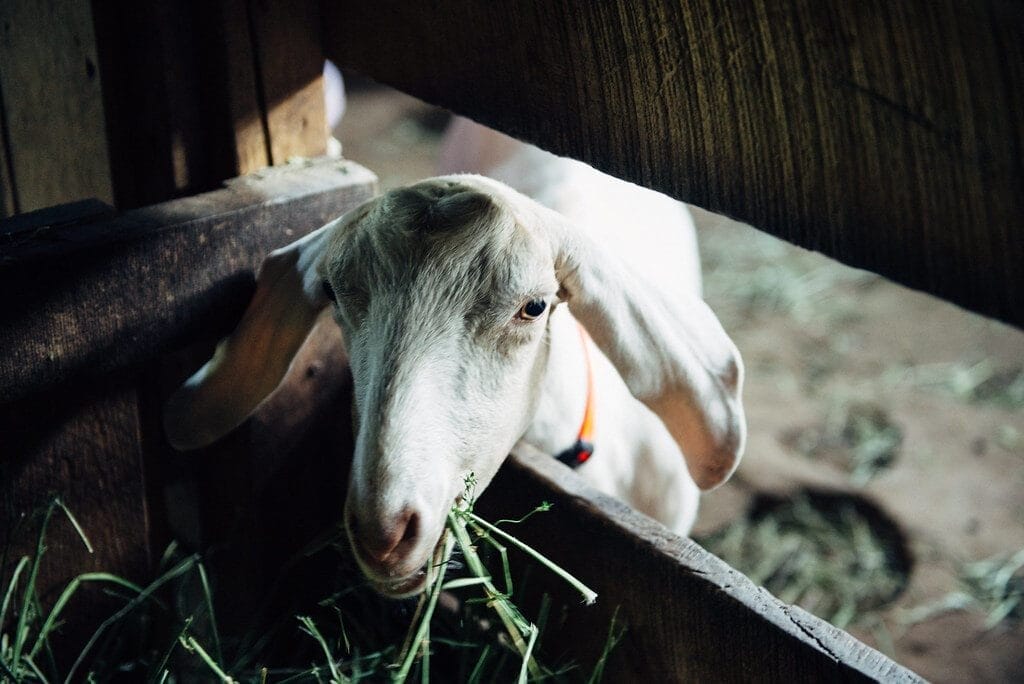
909 409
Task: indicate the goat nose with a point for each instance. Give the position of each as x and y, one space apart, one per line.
385 540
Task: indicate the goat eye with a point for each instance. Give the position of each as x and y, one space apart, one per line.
329 291
532 309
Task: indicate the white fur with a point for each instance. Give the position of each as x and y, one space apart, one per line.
637 459
447 376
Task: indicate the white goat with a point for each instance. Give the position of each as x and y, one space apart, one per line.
450 297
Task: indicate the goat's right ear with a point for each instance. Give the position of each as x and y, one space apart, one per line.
250 363
671 351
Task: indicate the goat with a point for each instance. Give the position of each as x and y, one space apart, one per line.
458 298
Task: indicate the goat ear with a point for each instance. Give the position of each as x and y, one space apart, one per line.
671 351
249 364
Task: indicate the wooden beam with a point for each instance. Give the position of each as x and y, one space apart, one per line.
274 81
197 93
243 88
887 135
290 61
54 140
687 615
152 276
164 72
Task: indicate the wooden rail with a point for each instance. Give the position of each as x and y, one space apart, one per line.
689 616
886 135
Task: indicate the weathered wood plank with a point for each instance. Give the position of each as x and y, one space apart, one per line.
197 93
88 314
169 96
146 280
886 135
53 106
165 117
81 444
290 64
688 615
252 146
63 216
8 204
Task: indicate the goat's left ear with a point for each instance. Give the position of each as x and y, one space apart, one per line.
250 363
670 350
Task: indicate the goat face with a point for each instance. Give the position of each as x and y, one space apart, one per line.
443 299
443 291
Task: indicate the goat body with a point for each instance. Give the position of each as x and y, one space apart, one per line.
638 461
460 299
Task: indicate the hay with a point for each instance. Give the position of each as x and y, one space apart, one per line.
983 382
352 635
828 554
858 437
992 587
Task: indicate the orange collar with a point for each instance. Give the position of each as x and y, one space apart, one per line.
580 452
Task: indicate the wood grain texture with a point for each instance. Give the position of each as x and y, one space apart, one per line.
289 64
146 279
90 309
887 135
8 203
81 444
53 117
688 616
164 69
243 88
273 81
199 92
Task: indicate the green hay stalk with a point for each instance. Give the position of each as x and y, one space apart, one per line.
105 648
310 628
212 618
146 594
190 644
420 640
832 564
992 587
588 594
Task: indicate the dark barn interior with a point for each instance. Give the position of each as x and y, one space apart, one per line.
152 154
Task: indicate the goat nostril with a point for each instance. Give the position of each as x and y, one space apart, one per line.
412 528
381 542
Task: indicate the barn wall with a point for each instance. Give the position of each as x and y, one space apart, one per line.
137 102
52 139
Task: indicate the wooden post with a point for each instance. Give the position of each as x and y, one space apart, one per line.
289 60
52 139
161 101
197 93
